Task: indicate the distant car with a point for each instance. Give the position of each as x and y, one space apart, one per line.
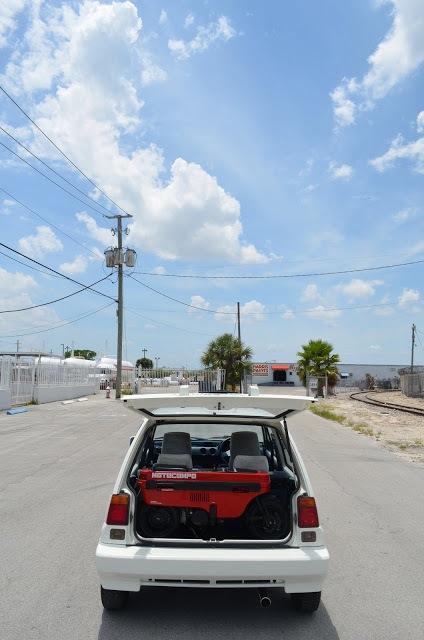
213 493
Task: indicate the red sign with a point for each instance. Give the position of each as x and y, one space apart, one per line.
260 369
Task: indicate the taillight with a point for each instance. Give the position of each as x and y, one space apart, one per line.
307 514
118 509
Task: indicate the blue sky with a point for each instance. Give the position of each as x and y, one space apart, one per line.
247 139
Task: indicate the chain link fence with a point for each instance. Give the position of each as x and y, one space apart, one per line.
168 380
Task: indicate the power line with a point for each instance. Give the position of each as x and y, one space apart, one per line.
40 264
60 150
63 324
35 213
260 313
281 275
86 204
54 170
45 304
45 273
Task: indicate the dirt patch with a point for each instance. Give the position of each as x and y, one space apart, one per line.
400 432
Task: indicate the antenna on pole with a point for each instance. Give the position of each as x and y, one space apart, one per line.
239 340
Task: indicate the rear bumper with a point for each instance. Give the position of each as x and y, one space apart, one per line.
129 568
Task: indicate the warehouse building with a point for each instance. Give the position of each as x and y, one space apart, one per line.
285 373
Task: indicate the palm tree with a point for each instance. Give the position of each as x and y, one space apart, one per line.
316 359
228 353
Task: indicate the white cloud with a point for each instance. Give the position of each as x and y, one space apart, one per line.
358 288
344 107
252 310
78 265
384 310
420 122
310 188
163 17
403 215
401 150
310 293
151 73
205 36
288 315
44 241
416 249
9 10
188 20
8 203
179 211
375 347
407 296
159 269
15 293
340 172
396 56
198 301
322 313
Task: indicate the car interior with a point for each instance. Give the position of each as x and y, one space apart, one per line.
214 452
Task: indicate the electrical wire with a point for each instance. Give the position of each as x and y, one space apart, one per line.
63 324
59 175
61 152
282 275
62 275
86 204
167 324
45 304
35 213
261 313
45 273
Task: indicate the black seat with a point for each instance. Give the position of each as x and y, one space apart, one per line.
176 452
245 454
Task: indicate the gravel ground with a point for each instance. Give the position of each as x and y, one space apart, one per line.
403 433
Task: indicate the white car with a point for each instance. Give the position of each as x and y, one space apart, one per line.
213 493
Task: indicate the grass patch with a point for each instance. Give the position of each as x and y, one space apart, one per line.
324 412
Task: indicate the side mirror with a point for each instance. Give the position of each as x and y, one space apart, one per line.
131 440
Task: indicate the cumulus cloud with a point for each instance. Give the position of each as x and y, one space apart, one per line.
205 36
159 269
403 215
310 293
44 241
163 17
323 313
15 292
288 315
9 10
78 265
198 301
399 53
340 172
92 103
408 296
420 122
188 20
402 150
358 288
252 310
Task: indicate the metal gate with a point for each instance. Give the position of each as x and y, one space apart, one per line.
201 380
21 381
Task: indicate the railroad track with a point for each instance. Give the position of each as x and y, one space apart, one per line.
364 397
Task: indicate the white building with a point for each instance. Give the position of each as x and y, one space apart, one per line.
284 373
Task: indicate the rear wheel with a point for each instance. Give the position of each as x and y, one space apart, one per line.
306 602
113 600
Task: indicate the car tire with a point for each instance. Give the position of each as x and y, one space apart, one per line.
113 600
306 602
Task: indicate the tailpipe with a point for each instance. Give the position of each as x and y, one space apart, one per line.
264 599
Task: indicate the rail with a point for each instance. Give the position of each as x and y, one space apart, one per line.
364 397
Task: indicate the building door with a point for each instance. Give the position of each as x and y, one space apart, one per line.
279 376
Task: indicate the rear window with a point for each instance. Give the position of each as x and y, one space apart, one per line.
208 430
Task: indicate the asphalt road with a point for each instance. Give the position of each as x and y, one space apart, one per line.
57 467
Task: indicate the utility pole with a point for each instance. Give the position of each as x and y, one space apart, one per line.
17 346
239 339
117 258
63 349
414 328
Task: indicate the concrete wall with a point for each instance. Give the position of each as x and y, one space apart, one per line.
53 394
5 398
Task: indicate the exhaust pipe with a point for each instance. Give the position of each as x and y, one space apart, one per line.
264 599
